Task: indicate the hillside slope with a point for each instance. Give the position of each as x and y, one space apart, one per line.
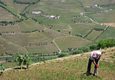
37 25
67 68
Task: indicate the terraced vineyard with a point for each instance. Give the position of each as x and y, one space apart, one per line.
47 26
48 29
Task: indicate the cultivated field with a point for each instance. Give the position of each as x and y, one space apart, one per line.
5 15
71 42
48 25
47 29
18 7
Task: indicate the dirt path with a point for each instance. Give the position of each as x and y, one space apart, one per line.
109 24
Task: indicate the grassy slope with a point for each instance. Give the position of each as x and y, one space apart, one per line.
18 7
5 15
109 33
9 47
71 42
68 68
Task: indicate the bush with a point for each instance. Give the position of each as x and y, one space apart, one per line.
23 60
93 47
62 54
106 43
80 50
77 51
84 49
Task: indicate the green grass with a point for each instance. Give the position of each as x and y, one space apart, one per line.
6 16
34 42
104 17
82 29
68 69
18 7
25 1
28 26
9 47
65 10
99 2
71 42
36 48
9 64
94 34
109 33
44 30
11 10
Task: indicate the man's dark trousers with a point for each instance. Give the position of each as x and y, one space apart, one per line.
89 66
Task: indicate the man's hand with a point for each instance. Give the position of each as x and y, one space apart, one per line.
97 66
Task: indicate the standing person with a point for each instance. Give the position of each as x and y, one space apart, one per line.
94 58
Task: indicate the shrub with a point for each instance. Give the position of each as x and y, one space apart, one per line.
62 54
23 60
106 43
77 51
84 49
2 68
80 50
26 61
93 47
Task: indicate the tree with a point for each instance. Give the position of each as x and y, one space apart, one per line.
26 61
20 60
23 60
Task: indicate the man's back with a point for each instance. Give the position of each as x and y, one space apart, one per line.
95 54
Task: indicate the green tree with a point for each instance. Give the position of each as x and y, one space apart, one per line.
27 60
106 43
20 60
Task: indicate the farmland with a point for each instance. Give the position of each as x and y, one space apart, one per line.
48 29
4 15
71 42
18 7
50 26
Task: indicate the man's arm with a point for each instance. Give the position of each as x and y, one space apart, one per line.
97 66
94 62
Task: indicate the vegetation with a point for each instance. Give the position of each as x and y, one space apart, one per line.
35 33
45 27
26 1
106 43
23 60
1 69
62 54
69 68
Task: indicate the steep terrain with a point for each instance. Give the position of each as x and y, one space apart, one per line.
47 26
67 68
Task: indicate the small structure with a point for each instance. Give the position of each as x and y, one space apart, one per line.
81 13
36 12
53 17
96 5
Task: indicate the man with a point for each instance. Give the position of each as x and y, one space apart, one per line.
94 57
